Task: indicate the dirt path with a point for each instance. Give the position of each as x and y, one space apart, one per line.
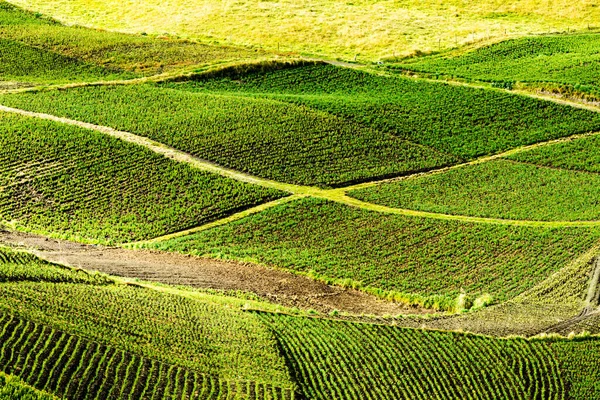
336 195
174 269
592 302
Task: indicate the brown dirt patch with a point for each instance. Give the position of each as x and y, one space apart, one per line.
175 269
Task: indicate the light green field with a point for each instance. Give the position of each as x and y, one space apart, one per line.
334 28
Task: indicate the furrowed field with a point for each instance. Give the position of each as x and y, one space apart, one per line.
97 338
424 261
573 60
498 189
74 182
340 360
461 121
426 227
268 138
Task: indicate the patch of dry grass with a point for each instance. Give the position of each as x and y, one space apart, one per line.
341 28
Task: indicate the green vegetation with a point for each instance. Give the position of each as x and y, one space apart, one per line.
19 62
461 121
578 155
74 182
341 360
423 261
37 49
88 339
498 189
566 59
268 138
12 388
333 28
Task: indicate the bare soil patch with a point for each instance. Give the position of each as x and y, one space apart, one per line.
175 269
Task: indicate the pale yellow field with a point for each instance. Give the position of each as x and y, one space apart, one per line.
371 29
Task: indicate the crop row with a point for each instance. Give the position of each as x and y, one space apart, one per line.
116 52
12 388
71 181
198 333
461 121
267 138
407 255
571 59
577 155
76 368
497 189
340 360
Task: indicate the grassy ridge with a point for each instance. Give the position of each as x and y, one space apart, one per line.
271 139
340 360
461 121
577 155
416 257
76 48
338 29
74 182
497 189
567 59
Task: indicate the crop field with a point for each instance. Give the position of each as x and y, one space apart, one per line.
80 183
415 259
339 360
576 155
37 49
501 189
268 138
192 208
14 388
565 59
436 115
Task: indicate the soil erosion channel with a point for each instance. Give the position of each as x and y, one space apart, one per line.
276 286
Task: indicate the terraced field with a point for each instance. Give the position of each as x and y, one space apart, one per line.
339 360
405 256
437 115
572 60
312 230
79 183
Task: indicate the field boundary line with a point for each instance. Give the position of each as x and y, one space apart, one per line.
336 195
219 222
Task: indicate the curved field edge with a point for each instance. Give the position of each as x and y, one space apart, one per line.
498 189
13 388
210 335
343 360
330 241
59 179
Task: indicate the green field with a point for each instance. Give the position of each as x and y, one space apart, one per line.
427 262
565 59
37 49
436 115
339 360
576 155
497 189
268 138
12 388
74 182
281 226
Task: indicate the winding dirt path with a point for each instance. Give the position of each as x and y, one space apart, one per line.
336 195
174 269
